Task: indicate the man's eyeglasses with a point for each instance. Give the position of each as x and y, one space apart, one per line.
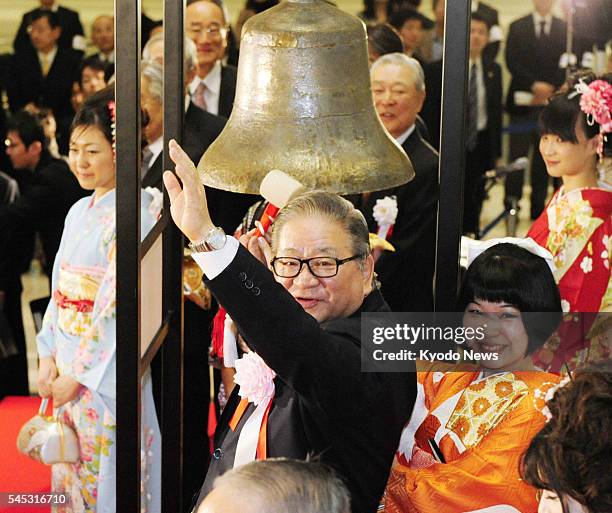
214 32
10 144
321 267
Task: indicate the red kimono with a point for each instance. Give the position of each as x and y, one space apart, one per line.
576 228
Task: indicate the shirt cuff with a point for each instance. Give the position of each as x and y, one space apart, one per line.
213 263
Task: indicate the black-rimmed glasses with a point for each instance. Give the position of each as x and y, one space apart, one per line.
321 267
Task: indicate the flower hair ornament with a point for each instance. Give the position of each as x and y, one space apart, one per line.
596 103
113 116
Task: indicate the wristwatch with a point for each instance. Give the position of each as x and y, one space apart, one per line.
214 240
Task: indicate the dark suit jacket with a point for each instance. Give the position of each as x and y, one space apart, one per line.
406 275
323 404
68 20
27 84
227 92
432 107
492 78
530 59
42 208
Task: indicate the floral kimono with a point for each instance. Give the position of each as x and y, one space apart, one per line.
480 426
576 228
79 332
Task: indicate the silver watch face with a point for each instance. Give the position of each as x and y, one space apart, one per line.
216 238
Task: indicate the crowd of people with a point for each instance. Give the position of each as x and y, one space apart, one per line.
505 434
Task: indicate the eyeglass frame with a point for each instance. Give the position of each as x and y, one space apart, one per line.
302 261
221 32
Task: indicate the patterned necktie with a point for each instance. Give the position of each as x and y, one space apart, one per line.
147 154
472 134
198 96
543 33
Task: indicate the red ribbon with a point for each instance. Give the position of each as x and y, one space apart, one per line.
80 305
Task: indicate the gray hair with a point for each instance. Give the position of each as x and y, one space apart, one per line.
400 59
333 207
155 75
284 485
190 53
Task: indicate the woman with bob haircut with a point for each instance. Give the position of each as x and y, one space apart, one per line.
461 449
576 226
569 459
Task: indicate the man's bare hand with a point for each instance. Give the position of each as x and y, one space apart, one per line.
188 204
541 92
257 246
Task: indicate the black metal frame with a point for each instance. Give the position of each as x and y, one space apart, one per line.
168 340
452 151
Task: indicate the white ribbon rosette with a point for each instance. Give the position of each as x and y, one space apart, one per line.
385 214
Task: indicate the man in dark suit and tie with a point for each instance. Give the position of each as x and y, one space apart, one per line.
44 75
406 275
302 318
533 50
68 20
484 122
214 86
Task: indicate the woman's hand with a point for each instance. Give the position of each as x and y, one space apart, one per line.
47 373
65 389
257 246
188 205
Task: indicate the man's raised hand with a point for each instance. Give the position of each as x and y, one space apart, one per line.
187 204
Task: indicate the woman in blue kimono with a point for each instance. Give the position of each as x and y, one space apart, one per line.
77 342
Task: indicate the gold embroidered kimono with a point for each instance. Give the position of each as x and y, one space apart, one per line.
482 426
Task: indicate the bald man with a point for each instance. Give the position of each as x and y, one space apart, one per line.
103 37
214 87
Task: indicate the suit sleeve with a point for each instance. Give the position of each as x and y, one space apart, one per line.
320 366
22 39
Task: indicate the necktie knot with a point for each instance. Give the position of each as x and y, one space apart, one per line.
543 28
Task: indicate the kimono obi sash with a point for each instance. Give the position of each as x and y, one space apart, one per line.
74 297
483 405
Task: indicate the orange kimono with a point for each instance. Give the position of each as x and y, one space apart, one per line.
482 426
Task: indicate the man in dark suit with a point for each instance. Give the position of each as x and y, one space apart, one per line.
484 122
44 75
214 87
68 20
306 328
41 208
406 275
533 51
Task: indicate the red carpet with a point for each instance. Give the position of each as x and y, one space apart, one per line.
18 473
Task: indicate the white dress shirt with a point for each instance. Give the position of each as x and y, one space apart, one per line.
401 139
213 263
212 81
538 18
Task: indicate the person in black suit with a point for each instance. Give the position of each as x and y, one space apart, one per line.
307 329
68 20
103 38
533 49
41 207
44 75
214 87
406 275
483 141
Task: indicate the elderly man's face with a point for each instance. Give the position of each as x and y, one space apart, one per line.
324 298
103 33
206 26
395 97
155 127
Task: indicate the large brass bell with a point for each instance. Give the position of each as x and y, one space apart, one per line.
303 105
